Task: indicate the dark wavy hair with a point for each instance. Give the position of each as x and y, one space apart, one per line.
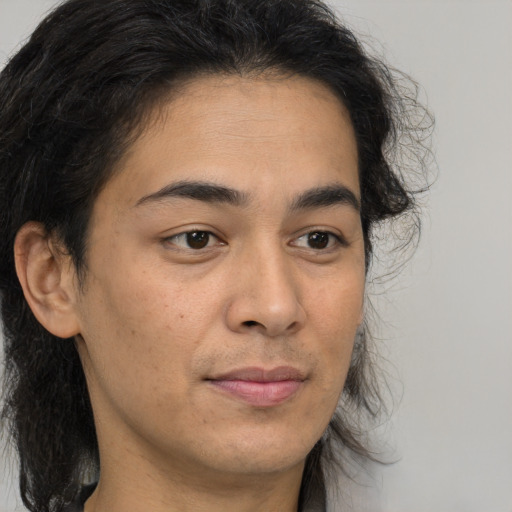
74 98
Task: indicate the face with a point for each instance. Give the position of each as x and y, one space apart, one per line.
225 279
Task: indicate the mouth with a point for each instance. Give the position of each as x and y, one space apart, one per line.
260 387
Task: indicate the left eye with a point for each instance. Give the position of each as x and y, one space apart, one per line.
317 240
193 240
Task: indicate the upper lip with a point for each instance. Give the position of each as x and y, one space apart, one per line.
256 374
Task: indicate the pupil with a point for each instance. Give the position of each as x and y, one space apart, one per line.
198 239
318 240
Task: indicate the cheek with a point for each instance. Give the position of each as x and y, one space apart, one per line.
336 313
338 307
133 327
140 344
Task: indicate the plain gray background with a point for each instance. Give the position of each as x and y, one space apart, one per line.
447 334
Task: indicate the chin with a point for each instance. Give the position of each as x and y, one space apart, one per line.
262 451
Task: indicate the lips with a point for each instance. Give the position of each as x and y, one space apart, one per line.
260 387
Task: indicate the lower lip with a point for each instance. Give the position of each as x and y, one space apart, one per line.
259 394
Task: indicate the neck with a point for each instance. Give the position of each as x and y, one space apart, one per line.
138 488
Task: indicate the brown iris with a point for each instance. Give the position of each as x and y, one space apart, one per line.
318 240
198 239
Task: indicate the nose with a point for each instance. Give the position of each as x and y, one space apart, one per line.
267 297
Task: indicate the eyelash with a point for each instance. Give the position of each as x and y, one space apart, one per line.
206 236
186 234
332 239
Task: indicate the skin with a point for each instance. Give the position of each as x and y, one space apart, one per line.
157 322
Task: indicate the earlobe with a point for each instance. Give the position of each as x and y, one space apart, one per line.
47 277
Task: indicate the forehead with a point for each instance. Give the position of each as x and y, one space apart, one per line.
248 133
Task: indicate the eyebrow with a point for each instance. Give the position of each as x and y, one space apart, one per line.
330 195
198 190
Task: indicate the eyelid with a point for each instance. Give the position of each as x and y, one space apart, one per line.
338 237
183 247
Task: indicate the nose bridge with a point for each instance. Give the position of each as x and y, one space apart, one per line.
274 284
268 292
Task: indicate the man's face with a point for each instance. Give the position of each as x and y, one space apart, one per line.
225 279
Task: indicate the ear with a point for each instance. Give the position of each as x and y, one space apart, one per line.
48 278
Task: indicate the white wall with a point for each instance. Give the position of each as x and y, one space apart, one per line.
449 317
452 339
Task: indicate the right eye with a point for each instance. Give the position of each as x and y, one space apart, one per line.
195 240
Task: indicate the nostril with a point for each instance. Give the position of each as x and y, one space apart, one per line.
251 323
